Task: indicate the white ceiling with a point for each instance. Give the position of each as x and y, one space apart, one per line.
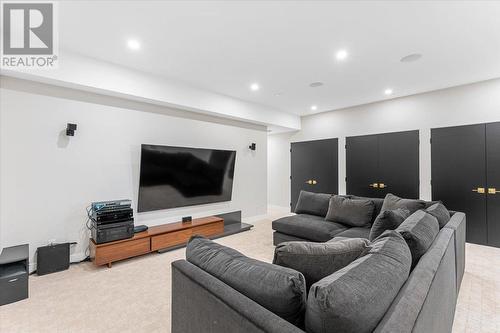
284 46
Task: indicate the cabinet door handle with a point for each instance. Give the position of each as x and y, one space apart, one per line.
13 280
374 185
493 190
480 190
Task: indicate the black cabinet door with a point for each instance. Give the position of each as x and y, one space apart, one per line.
458 170
493 179
314 167
399 164
383 163
362 165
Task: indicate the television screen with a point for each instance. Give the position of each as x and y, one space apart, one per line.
179 176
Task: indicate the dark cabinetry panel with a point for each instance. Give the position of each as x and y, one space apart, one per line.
493 178
383 163
314 167
466 176
458 169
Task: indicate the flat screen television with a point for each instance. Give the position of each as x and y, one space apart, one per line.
179 176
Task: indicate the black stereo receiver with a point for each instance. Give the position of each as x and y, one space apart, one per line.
112 216
103 233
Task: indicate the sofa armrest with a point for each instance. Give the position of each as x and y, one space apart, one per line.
458 224
203 303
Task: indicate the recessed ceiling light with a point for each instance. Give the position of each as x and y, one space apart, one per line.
314 107
411 57
316 84
254 87
388 91
133 44
341 55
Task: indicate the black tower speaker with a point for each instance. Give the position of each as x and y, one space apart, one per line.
52 258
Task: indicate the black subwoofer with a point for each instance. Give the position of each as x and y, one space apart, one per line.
52 258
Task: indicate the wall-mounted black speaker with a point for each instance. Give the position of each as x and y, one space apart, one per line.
52 258
70 129
252 146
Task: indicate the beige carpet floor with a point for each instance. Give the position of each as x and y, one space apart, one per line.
134 295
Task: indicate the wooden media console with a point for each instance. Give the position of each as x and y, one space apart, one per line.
156 238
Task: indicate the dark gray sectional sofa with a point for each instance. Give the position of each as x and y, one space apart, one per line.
424 302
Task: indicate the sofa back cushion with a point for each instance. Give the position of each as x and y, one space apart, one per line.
392 202
351 212
313 203
356 297
279 289
419 231
439 211
317 260
378 202
388 220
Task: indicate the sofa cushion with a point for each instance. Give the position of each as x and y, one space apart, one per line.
312 203
388 220
356 297
279 289
310 227
351 212
392 202
378 202
317 260
355 232
439 211
419 231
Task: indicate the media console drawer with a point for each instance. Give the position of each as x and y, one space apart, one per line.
170 239
108 253
209 229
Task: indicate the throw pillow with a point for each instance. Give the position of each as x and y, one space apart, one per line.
356 297
388 220
352 212
312 203
279 289
392 202
419 231
317 260
439 211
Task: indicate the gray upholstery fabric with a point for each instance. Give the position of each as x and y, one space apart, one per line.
426 302
388 220
351 212
378 202
355 232
312 203
392 202
356 297
310 227
419 231
279 289
439 211
279 238
458 225
203 303
317 260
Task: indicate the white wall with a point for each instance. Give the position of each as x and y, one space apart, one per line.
469 104
47 179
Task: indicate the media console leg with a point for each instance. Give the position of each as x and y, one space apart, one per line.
109 265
